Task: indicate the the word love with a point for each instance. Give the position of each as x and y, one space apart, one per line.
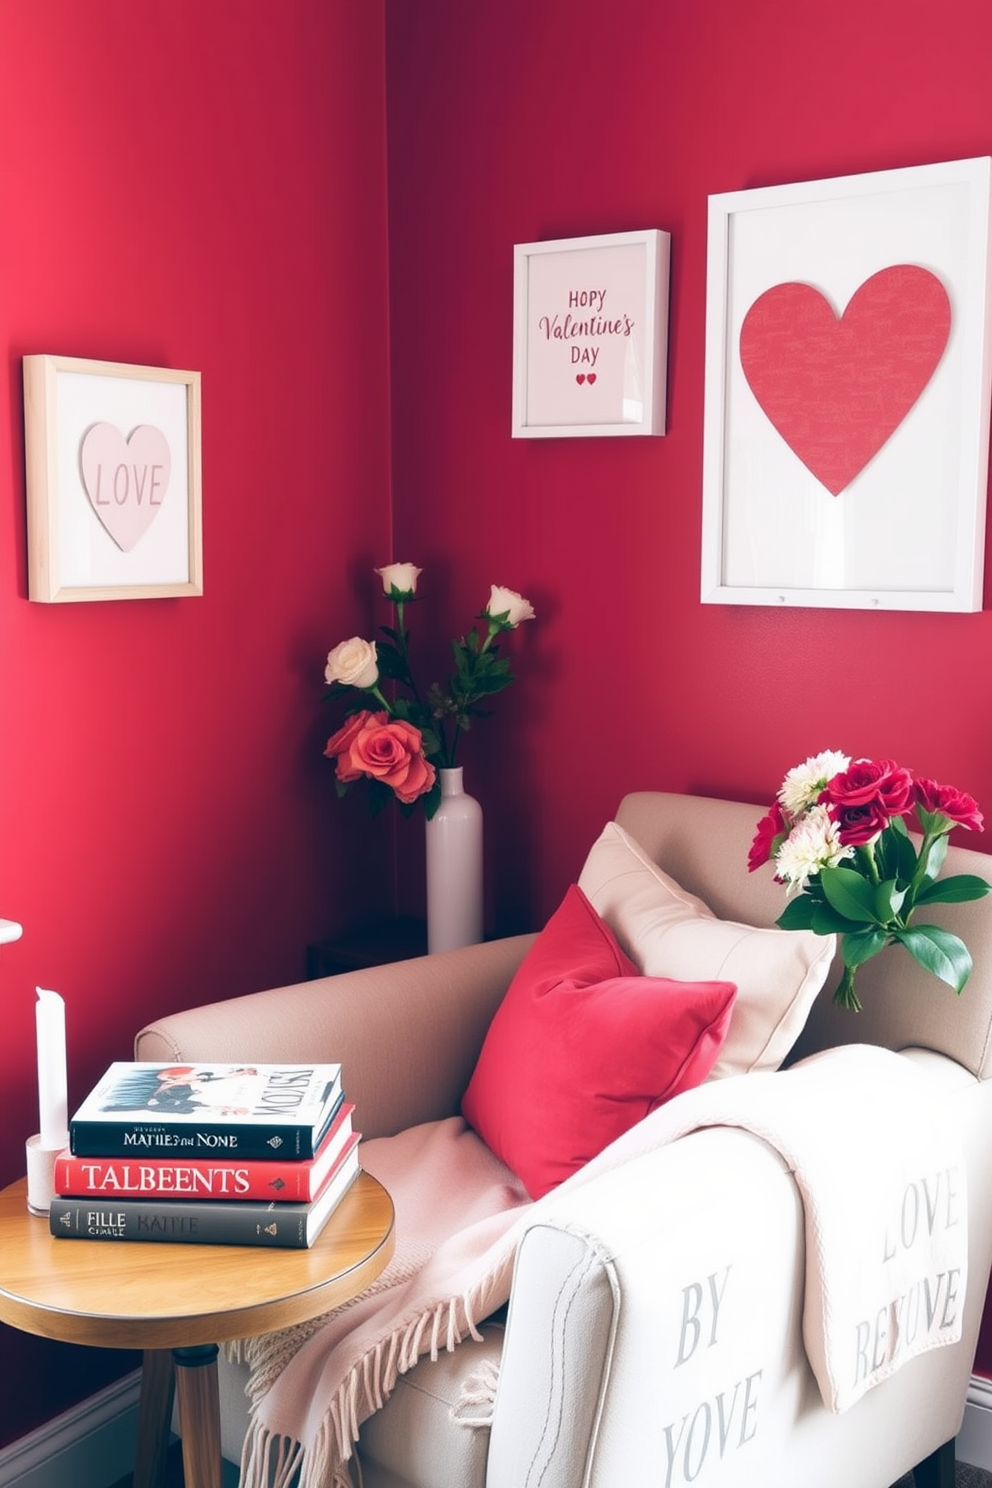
932 1303
125 479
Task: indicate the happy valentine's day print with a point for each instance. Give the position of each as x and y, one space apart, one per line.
585 336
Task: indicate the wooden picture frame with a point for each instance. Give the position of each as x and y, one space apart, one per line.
590 335
806 499
113 480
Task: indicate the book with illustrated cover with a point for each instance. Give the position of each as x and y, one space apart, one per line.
195 1178
140 1109
207 1221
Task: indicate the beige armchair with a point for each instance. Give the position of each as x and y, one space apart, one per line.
591 1386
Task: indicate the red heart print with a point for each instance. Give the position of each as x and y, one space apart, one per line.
836 388
592 378
580 378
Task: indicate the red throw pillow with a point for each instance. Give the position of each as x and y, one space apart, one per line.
582 1047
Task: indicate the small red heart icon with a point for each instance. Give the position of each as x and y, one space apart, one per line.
580 377
592 378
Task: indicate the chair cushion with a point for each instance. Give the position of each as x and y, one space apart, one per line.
669 932
582 1047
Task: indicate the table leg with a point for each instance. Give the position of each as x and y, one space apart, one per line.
199 1414
154 1418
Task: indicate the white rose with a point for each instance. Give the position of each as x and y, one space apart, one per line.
401 576
353 664
511 604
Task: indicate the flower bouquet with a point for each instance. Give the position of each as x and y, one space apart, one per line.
399 743
839 837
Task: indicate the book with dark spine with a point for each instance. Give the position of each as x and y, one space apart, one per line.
208 1110
281 1181
207 1221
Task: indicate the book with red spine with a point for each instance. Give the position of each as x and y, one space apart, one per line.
284 1181
207 1222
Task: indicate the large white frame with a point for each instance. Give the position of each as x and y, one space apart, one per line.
590 335
908 532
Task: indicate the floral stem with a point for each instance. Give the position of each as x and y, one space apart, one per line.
845 995
403 636
866 853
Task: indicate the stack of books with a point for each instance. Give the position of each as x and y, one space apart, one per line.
212 1154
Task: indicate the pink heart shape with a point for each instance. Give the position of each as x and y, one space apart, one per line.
580 377
836 388
125 479
592 378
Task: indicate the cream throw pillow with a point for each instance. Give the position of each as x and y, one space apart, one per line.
668 932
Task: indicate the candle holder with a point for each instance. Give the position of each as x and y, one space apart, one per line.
41 1174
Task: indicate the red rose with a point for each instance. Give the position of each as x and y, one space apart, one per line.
948 801
391 751
872 780
770 826
857 825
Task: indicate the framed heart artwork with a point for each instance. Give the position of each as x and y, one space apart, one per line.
846 429
113 480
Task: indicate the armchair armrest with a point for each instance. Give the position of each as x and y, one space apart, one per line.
407 1034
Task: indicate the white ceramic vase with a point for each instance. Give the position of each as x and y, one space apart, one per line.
454 867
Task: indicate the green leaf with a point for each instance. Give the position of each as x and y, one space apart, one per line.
957 889
888 900
850 894
797 914
896 853
858 946
939 952
826 921
936 856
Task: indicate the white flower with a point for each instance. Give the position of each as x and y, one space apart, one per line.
813 843
400 576
511 604
803 784
353 664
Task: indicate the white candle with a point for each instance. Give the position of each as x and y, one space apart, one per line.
52 1098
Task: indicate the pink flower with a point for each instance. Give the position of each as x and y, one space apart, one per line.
339 744
771 825
946 800
392 751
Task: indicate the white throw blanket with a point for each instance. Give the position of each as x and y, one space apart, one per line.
882 1181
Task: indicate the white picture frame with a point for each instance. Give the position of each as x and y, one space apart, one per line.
590 335
113 480
906 531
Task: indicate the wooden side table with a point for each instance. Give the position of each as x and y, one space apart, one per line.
178 1302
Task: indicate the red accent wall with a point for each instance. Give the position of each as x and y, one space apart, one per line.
195 186
206 187
512 122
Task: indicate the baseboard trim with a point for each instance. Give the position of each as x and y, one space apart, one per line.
93 1443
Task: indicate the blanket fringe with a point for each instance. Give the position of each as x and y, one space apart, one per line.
272 1461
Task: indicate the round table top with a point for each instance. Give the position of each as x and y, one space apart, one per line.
156 1295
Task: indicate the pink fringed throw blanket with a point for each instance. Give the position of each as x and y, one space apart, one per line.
460 1215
